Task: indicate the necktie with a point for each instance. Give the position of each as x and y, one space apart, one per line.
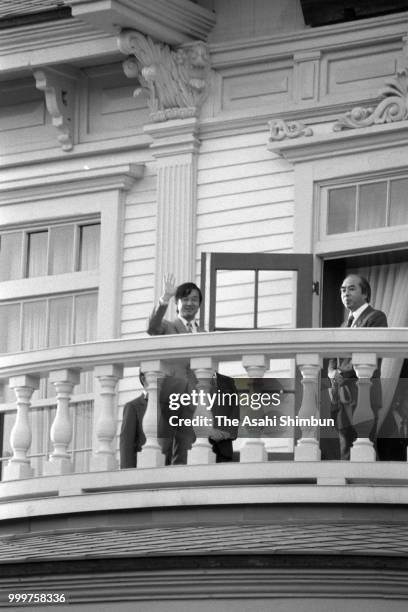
350 320
189 327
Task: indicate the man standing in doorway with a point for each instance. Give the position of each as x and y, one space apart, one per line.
182 379
355 294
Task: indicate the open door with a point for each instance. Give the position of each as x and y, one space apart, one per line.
256 290
261 291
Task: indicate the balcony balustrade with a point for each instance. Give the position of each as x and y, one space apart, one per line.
254 350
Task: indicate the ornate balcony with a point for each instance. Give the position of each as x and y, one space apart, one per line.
254 479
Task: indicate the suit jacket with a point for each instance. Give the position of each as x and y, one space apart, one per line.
182 379
344 396
159 326
132 436
370 317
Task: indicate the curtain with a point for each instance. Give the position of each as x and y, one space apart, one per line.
37 254
398 202
61 249
10 256
60 324
372 205
34 325
89 249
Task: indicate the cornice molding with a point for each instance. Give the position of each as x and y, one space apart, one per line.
121 177
336 144
173 137
22 49
81 150
174 22
267 48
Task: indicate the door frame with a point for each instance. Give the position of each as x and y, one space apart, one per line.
302 263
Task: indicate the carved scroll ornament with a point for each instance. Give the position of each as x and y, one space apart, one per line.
176 80
393 108
280 129
59 93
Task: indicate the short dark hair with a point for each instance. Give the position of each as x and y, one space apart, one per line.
365 287
185 289
142 378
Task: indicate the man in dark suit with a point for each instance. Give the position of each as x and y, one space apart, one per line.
355 294
132 436
181 379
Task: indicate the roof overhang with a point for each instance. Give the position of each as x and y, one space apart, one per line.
171 21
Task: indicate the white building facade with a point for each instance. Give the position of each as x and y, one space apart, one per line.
239 147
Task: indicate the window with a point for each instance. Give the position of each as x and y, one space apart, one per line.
367 206
39 314
48 322
56 249
49 297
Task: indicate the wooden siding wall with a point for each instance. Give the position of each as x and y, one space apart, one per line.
245 204
139 246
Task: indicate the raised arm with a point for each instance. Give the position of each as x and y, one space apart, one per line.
156 325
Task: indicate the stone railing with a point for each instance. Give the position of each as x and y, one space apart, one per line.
254 349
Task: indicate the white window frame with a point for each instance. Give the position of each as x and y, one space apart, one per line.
336 158
83 194
365 238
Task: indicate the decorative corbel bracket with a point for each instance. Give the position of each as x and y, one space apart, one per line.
59 88
176 80
280 129
393 108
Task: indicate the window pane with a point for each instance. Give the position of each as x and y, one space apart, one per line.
60 321
37 254
10 256
277 298
9 328
34 325
85 317
89 247
235 298
341 210
372 206
399 202
61 249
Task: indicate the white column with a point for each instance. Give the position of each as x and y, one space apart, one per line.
363 419
60 461
151 455
175 146
307 448
18 467
105 419
254 448
204 367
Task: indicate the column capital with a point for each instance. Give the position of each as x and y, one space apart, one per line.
176 80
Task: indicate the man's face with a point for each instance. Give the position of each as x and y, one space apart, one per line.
189 305
351 293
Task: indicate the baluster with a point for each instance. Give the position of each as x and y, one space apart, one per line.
105 418
363 418
254 448
204 367
307 448
18 466
60 461
151 455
